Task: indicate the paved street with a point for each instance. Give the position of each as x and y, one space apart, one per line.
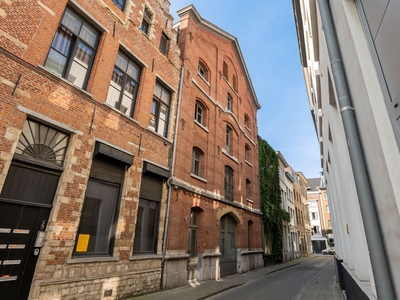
310 278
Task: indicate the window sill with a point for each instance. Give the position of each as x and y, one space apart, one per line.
247 128
249 163
205 80
230 156
157 134
249 200
198 177
119 112
64 80
202 126
91 259
144 256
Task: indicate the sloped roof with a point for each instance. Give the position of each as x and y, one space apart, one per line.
190 9
313 184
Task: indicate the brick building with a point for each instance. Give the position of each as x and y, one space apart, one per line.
214 218
88 96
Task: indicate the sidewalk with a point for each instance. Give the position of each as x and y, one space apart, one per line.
203 290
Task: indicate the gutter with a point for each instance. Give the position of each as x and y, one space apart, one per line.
377 253
164 246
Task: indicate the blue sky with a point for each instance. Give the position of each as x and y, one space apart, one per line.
266 33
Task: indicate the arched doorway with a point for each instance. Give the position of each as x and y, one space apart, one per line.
227 246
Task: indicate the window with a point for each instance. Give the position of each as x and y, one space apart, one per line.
120 4
248 189
314 216
160 110
228 139
329 224
225 70
234 82
315 229
199 113
146 21
148 213
229 102
73 49
197 161
228 183
327 209
313 203
193 232
124 85
42 143
247 152
247 122
203 71
164 44
99 214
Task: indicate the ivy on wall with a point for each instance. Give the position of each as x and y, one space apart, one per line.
271 207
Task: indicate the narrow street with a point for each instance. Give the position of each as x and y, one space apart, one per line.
312 279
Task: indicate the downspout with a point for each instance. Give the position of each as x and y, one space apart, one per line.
169 179
377 252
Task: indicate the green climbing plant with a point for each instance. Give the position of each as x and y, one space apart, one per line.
273 214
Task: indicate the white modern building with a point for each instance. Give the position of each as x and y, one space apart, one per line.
350 55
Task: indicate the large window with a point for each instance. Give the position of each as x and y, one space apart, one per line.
124 84
193 232
160 110
228 183
148 215
97 226
247 122
146 21
73 49
120 4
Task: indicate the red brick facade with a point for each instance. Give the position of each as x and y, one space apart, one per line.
203 187
99 133
27 31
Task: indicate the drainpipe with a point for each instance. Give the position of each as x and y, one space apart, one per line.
169 179
366 201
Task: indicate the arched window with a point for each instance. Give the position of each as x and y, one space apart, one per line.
229 131
247 121
203 71
229 183
225 70
234 82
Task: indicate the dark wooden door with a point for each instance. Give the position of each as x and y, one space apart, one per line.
25 204
228 259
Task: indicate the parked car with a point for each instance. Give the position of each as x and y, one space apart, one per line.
329 250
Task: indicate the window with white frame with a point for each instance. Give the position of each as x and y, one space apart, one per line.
203 71
199 114
73 49
229 102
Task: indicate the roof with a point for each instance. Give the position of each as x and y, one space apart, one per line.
190 9
313 184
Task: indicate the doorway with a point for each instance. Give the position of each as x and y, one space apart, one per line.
227 246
